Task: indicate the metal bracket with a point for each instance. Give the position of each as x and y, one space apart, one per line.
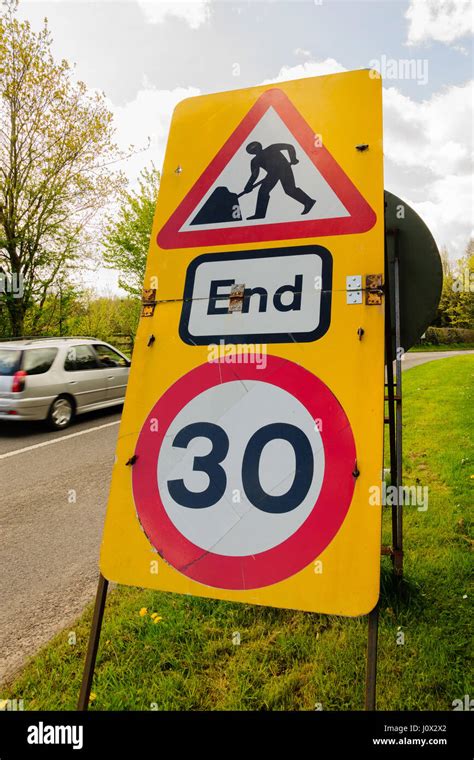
373 289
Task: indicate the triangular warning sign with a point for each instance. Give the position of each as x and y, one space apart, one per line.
271 180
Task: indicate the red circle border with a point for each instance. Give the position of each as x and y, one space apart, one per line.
312 537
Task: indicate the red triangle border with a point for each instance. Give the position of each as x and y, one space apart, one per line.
362 217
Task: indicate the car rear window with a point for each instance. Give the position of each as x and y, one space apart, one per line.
37 361
9 361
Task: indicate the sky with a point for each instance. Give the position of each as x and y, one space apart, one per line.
147 55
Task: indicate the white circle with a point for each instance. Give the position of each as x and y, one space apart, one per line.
234 526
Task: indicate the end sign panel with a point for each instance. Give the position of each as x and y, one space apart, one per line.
250 447
285 296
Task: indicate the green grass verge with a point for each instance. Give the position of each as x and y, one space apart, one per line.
291 660
442 347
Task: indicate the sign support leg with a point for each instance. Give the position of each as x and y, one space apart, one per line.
394 393
398 433
93 645
390 397
371 672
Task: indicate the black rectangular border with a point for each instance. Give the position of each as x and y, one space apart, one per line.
301 337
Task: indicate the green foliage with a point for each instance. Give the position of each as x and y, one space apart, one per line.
49 316
440 336
456 307
56 157
127 234
112 319
66 311
290 660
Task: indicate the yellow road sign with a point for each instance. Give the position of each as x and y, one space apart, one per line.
253 424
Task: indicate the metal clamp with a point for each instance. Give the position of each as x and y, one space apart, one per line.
373 289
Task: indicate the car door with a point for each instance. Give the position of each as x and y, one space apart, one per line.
117 367
85 378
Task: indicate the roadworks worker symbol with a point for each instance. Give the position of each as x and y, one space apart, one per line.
223 206
272 179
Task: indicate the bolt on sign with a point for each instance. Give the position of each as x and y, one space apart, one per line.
253 424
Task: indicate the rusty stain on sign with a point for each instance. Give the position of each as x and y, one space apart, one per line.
148 302
236 299
149 295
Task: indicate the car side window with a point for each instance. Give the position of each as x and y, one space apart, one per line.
37 361
80 357
108 357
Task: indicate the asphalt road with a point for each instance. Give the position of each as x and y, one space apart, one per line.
50 543
420 357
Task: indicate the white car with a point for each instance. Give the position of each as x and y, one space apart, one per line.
54 379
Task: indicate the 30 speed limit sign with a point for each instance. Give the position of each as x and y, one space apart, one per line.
253 424
248 481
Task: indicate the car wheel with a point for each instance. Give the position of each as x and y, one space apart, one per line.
61 413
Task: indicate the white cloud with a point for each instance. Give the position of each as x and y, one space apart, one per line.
428 160
145 119
439 20
195 12
434 134
448 212
307 69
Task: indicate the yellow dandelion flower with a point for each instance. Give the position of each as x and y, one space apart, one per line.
154 615
143 612
157 619
92 696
